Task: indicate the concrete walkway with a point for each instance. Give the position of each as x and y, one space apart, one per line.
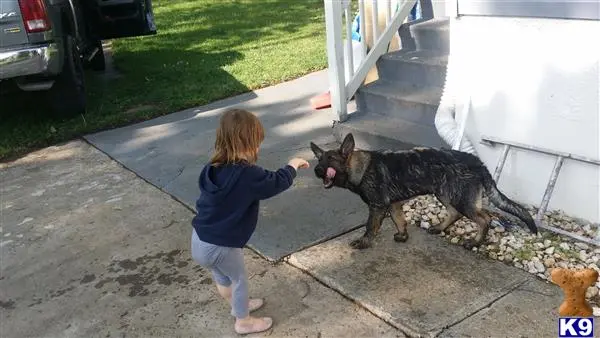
90 249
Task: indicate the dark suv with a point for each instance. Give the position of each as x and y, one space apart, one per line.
45 44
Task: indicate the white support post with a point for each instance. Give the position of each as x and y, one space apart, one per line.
335 57
349 54
363 29
388 12
375 15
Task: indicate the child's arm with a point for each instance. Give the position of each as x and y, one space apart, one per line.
266 184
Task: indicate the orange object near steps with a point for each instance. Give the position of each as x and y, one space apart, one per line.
321 101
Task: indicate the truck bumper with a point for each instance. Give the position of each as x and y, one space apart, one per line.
43 59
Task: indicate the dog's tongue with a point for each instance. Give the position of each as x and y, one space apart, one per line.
330 173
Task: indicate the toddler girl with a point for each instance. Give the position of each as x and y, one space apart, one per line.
231 187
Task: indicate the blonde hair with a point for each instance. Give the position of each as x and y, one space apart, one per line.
239 135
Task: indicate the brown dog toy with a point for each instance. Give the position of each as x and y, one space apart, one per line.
574 284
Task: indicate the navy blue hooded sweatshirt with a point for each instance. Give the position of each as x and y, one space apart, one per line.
229 199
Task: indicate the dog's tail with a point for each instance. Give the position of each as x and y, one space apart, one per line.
506 204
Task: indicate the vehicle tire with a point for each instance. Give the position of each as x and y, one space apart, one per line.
67 95
98 62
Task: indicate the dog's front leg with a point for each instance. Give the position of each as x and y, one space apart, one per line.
400 221
372 228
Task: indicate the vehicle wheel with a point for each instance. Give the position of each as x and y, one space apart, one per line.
98 62
67 95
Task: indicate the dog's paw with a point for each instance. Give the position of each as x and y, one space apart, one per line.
434 231
361 243
470 244
401 237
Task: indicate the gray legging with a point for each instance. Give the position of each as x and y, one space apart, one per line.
227 267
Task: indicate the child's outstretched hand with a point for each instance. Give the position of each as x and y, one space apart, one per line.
298 163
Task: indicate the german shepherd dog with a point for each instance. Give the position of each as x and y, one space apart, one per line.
386 179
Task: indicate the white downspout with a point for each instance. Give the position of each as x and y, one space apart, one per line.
445 121
463 124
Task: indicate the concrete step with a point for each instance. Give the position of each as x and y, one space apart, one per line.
375 132
414 104
427 68
432 34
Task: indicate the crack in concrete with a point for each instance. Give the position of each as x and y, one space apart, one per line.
515 287
180 171
537 292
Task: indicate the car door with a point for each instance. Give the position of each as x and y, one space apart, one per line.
124 18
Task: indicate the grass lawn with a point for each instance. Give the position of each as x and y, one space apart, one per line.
205 50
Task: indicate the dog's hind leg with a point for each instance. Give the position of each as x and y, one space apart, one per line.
471 205
452 217
400 222
373 225
483 221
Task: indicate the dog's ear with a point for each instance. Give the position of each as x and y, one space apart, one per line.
348 145
316 150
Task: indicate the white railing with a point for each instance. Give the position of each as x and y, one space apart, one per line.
343 88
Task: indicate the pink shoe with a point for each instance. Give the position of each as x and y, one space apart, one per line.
254 325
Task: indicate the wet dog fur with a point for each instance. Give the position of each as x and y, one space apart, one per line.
384 180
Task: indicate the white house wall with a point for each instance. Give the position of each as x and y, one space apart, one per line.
534 81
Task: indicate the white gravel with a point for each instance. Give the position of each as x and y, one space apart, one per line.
516 245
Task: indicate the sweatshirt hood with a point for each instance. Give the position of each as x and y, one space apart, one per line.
217 182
